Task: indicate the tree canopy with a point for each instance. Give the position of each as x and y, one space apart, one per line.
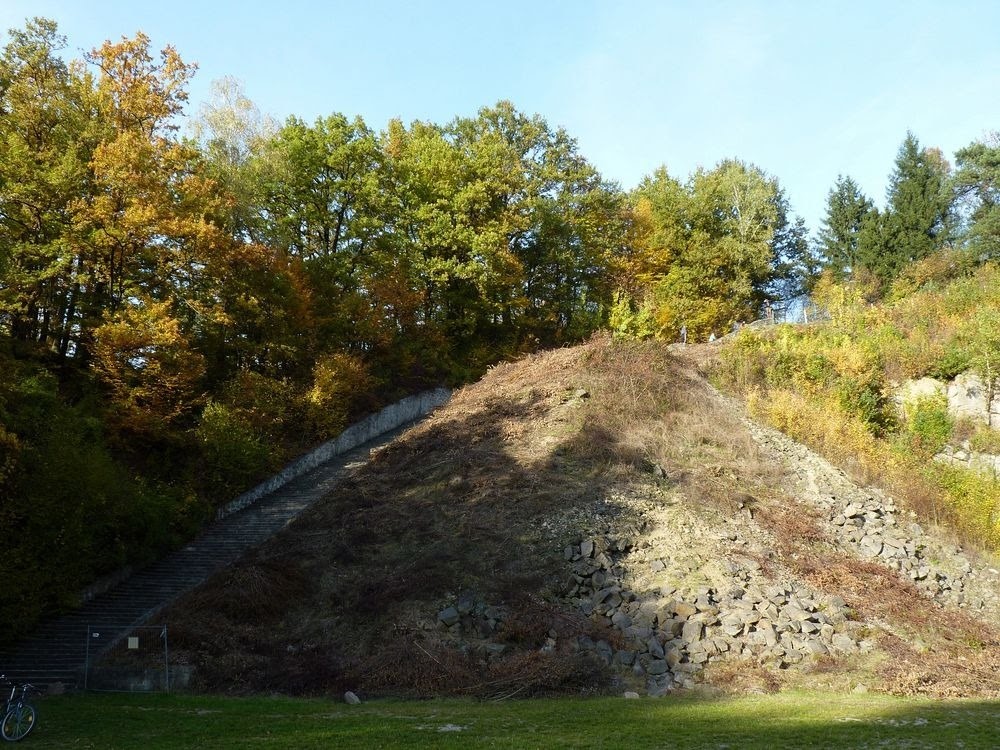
181 314
708 252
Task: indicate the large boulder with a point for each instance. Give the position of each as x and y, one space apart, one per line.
969 396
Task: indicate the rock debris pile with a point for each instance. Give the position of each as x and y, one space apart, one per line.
865 522
673 587
871 528
667 636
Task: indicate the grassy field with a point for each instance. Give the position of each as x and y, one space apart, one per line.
788 720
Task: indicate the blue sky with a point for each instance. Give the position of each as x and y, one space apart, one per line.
805 90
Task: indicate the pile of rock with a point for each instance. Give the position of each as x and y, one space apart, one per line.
967 458
667 636
663 636
865 522
472 621
872 529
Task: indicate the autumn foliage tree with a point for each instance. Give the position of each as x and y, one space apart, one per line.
705 253
191 312
46 143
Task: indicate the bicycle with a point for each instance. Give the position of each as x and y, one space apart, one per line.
19 716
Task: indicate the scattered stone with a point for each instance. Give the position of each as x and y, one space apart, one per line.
625 658
684 610
449 616
655 648
604 650
657 667
692 631
351 699
466 602
621 620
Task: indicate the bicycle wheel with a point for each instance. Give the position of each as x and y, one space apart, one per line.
18 722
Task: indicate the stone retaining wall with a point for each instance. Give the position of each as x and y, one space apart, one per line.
966 458
392 416
969 396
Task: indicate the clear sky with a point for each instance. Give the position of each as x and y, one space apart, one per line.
805 90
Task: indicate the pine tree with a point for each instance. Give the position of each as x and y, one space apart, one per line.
977 185
795 266
847 208
918 208
877 260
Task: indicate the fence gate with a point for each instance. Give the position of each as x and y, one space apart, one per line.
127 659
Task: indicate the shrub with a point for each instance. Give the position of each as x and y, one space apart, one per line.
953 360
933 271
340 383
865 399
818 369
632 320
975 500
985 440
929 426
233 454
267 405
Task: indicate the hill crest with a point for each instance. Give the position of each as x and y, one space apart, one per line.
597 518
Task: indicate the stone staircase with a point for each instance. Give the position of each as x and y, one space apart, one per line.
57 651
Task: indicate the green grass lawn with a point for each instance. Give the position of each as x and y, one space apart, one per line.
789 720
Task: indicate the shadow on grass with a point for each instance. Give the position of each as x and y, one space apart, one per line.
784 721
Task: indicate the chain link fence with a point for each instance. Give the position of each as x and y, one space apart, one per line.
127 659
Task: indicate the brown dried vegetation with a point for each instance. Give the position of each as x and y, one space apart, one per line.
347 596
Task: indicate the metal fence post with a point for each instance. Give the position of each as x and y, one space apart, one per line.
86 661
166 660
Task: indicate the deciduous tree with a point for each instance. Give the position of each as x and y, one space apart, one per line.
45 146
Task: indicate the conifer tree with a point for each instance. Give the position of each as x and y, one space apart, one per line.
846 210
795 266
918 208
977 185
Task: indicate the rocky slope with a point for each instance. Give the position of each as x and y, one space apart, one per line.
599 518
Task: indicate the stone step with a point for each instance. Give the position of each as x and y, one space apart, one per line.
57 650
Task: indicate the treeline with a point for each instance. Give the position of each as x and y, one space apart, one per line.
182 312
945 216
709 252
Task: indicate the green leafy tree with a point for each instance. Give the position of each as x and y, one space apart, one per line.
918 214
707 247
977 186
324 190
547 220
507 232
846 210
231 133
45 147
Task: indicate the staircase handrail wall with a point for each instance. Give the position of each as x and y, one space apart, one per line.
369 428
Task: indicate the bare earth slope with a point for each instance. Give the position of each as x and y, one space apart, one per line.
597 518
